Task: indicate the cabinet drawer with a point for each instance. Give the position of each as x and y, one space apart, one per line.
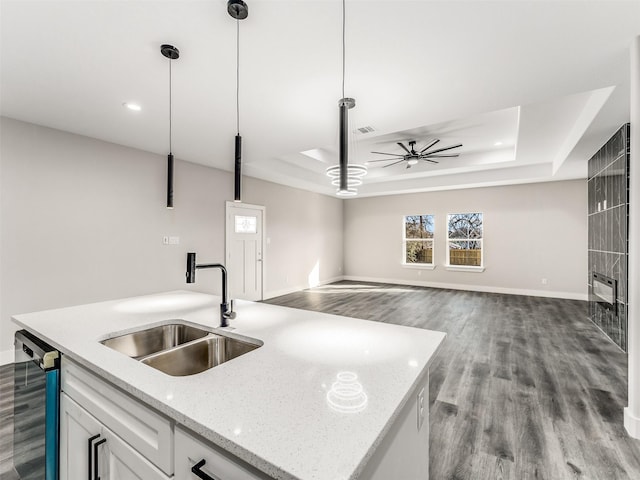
219 464
148 432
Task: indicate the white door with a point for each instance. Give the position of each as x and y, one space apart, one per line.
244 250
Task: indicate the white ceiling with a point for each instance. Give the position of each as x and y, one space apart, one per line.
548 79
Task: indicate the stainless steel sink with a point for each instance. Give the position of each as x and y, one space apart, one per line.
199 355
178 349
156 339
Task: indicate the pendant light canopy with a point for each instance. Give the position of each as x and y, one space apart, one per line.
238 10
172 53
346 177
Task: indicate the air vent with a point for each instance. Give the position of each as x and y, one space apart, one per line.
366 129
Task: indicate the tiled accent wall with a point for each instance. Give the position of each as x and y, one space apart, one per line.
608 227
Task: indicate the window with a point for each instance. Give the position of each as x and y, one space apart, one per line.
418 240
246 224
464 240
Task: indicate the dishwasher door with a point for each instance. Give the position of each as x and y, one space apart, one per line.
36 400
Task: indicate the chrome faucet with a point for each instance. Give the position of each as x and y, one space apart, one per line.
226 307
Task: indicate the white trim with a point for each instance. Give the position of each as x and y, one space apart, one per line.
6 357
419 266
464 268
631 424
299 288
474 288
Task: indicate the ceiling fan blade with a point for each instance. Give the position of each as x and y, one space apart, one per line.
443 149
394 163
393 154
385 159
429 160
429 146
445 155
404 148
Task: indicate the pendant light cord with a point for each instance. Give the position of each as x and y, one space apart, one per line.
238 75
170 112
343 45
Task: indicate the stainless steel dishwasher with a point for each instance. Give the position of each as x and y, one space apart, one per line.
36 397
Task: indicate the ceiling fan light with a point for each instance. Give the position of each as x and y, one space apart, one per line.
413 161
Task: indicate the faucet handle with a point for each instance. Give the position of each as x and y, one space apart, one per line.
231 314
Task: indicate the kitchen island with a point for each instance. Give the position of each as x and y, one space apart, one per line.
278 411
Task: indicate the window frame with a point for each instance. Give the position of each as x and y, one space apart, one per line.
420 265
465 268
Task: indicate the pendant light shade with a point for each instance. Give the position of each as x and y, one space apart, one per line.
172 53
170 180
239 11
237 172
344 104
346 177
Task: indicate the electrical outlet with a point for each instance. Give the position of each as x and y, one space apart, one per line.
174 240
544 281
421 408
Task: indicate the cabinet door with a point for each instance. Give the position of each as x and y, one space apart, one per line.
218 464
77 426
117 460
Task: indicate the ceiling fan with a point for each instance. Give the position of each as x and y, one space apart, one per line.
412 157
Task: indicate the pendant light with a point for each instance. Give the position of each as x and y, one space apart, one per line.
346 177
238 10
172 53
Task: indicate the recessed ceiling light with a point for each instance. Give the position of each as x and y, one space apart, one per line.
132 106
497 144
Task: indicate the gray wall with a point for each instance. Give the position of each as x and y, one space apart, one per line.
304 235
531 232
608 220
83 221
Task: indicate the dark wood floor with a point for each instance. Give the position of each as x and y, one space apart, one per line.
6 423
523 388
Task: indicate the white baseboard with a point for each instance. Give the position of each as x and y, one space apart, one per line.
6 357
298 288
631 424
473 288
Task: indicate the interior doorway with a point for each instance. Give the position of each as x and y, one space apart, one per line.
244 247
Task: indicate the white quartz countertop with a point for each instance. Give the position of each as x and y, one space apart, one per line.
271 407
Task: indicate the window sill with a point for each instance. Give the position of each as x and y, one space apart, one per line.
419 266
462 268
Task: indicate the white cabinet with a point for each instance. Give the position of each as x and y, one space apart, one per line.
103 427
77 426
89 450
150 433
214 463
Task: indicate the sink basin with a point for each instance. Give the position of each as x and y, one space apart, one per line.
199 355
156 339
